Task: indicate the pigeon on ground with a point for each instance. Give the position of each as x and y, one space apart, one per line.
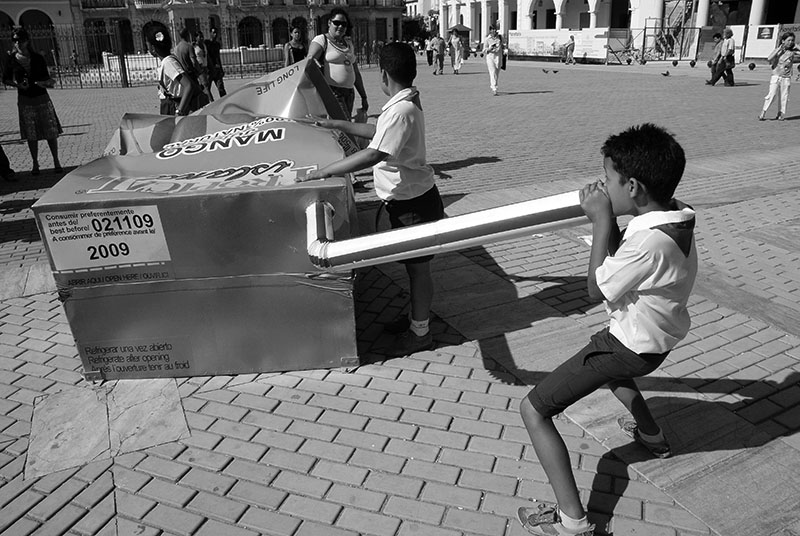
545 71
555 72
665 74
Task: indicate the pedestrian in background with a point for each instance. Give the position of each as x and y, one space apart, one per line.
456 51
569 50
295 50
781 60
493 52
215 70
174 87
429 50
727 60
27 71
716 56
184 52
203 76
439 47
335 52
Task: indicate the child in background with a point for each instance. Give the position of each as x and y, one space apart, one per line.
645 277
174 88
403 181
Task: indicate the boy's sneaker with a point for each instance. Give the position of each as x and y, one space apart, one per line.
543 520
408 343
398 325
660 449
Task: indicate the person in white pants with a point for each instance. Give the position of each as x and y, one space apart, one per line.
781 60
493 51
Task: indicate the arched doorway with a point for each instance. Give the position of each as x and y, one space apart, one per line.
33 18
40 28
250 32
6 22
280 32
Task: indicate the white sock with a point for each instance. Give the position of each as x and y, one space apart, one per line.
570 523
657 438
419 327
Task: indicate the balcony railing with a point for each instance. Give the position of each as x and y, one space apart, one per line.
147 4
103 4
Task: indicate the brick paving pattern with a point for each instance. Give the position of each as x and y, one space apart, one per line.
433 444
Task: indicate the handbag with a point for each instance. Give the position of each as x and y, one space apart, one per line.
503 61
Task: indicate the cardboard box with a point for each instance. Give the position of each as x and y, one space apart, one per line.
191 259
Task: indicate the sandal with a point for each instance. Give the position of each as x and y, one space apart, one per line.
659 449
545 521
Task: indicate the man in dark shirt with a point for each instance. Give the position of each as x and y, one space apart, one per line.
215 72
184 51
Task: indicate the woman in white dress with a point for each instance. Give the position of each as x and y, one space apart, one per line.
456 51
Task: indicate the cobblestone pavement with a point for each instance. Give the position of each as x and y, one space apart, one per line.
432 444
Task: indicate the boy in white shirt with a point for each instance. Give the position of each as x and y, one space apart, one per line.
403 181
645 277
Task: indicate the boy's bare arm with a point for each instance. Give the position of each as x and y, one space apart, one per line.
362 130
363 159
597 206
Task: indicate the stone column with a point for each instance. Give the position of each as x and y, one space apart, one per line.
502 19
592 13
559 4
757 12
484 30
702 13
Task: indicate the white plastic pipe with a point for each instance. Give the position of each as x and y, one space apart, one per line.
449 234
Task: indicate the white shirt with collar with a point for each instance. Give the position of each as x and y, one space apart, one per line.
400 132
647 282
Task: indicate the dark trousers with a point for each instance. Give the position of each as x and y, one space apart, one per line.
430 57
722 70
220 86
439 63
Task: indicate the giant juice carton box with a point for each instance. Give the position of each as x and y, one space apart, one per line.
190 258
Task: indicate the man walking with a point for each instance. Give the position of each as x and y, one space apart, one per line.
439 46
215 72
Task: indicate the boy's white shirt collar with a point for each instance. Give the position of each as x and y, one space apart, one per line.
659 217
404 94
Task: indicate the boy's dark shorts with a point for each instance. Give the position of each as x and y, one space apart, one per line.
604 360
424 208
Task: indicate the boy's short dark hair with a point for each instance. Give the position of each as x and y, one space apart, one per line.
400 62
649 154
160 39
717 36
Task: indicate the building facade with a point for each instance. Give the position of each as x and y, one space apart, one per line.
579 14
240 23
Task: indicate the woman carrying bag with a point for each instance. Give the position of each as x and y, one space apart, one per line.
335 53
